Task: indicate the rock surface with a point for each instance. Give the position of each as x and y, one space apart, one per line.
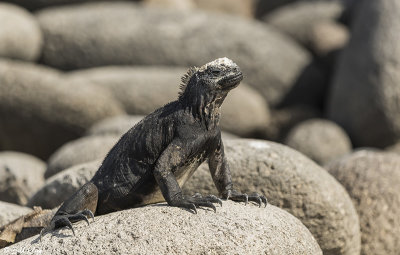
372 180
295 183
40 111
79 151
62 185
271 62
9 212
319 139
365 95
20 35
159 229
21 175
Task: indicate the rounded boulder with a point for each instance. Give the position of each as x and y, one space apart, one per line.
21 175
141 90
271 62
160 229
61 186
296 184
20 34
372 180
319 139
43 111
365 93
79 151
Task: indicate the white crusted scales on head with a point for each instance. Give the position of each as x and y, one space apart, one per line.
220 62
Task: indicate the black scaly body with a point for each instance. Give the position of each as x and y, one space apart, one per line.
154 158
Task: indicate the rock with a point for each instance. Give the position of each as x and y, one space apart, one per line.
319 139
141 90
394 148
61 186
9 212
160 229
79 151
242 8
295 183
38 4
183 5
21 175
43 110
270 61
365 95
283 120
328 37
20 35
114 126
372 179
244 112
297 19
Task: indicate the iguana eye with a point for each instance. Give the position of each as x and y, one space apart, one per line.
215 72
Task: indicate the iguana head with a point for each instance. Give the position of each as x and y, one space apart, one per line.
212 81
204 89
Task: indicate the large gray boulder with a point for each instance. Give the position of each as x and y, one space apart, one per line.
40 110
270 61
365 93
141 90
298 18
20 35
372 180
61 186
79 151
296 184
21 175
319 139
115 126
160 229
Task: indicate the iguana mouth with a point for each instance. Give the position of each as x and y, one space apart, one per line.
231 81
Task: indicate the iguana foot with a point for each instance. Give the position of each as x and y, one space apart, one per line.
65 219
243 197
197 200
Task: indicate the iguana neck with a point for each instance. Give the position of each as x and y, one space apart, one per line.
205 108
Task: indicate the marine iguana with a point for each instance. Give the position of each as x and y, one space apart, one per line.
155 157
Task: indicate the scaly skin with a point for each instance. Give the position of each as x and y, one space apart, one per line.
151 162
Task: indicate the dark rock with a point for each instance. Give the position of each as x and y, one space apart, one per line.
61 186
295 183
21 175
372 180
365 93
79 37
234 229
20 35
40 110
319 139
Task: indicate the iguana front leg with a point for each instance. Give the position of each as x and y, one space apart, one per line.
221 175
170 159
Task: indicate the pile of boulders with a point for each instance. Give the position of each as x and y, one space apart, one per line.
315 124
